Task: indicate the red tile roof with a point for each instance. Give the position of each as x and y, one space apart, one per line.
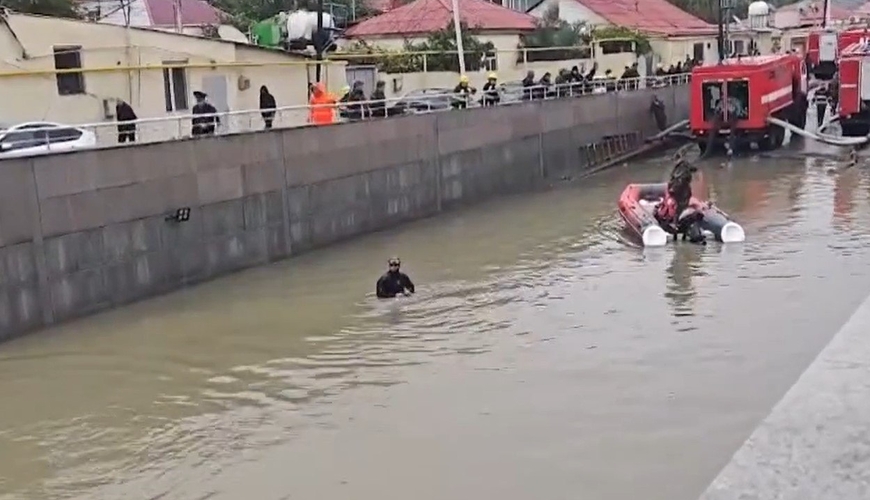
193 13
650 16
426 16
383 5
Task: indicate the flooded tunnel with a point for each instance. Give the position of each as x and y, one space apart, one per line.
542 356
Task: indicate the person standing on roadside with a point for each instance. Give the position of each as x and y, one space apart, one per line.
267 106
491 96
378 98
205 118
321 106
356 107
125 117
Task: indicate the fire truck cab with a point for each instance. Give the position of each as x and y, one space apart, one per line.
822 52
854 89
731 101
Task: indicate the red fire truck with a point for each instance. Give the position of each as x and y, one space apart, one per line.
822 53
825 46
732 100
854 89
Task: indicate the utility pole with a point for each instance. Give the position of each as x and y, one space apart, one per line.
319 44
826 14
723 13
176 4
460 51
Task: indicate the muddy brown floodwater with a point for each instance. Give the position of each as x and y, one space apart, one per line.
541 357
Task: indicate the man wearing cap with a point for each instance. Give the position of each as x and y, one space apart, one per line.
491 96
461 93
205 116
394 281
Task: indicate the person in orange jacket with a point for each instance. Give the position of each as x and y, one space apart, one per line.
322 110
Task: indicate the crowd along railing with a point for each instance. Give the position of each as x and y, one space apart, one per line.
34 139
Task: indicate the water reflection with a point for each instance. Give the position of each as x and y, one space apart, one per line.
845 185
685 265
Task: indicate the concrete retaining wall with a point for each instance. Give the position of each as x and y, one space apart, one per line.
84 231
815 444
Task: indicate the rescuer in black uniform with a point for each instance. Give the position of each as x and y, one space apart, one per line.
394 282
205 118
657 108
820 99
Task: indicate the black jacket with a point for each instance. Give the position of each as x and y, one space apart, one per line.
393 283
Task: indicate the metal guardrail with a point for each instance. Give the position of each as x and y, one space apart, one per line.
176 127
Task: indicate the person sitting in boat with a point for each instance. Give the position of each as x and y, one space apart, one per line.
673 213
394 282
678 194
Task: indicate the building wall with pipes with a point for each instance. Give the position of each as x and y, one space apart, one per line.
113 60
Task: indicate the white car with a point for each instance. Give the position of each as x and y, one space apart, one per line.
34 138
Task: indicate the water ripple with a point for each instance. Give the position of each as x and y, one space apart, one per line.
567 300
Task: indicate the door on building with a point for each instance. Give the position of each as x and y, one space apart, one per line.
365 74
215 86
698 51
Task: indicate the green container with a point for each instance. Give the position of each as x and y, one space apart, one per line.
267 34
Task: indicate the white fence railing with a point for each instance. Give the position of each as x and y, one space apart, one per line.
34 139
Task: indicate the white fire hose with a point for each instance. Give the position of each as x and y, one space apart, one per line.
823 138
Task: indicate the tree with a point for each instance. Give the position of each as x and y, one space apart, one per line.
444 54
58 8
551 31
605 33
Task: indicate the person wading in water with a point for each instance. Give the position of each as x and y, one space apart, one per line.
394 282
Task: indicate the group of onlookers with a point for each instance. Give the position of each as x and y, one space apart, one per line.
353 104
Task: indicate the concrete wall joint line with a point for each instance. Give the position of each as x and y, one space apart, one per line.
38 249
285 195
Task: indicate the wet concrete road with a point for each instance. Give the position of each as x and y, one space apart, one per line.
541 358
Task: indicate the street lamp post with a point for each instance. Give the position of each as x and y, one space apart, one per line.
460 51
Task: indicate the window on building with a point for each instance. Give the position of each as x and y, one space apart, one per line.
175 86
65 58
738 47
489 61
698 52
616 46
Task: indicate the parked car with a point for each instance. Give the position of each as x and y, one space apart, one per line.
423 101
33 138
511 91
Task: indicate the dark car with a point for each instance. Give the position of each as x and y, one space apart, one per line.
423 101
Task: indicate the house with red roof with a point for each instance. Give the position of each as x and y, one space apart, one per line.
190 17
811 12
415 21
673 32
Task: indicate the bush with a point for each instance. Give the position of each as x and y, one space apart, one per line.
571 40
437 53
618 34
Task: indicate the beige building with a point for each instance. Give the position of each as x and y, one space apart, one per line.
673 33
131 64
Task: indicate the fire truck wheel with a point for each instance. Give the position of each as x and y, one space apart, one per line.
855 129
714 148
798 113
773 139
